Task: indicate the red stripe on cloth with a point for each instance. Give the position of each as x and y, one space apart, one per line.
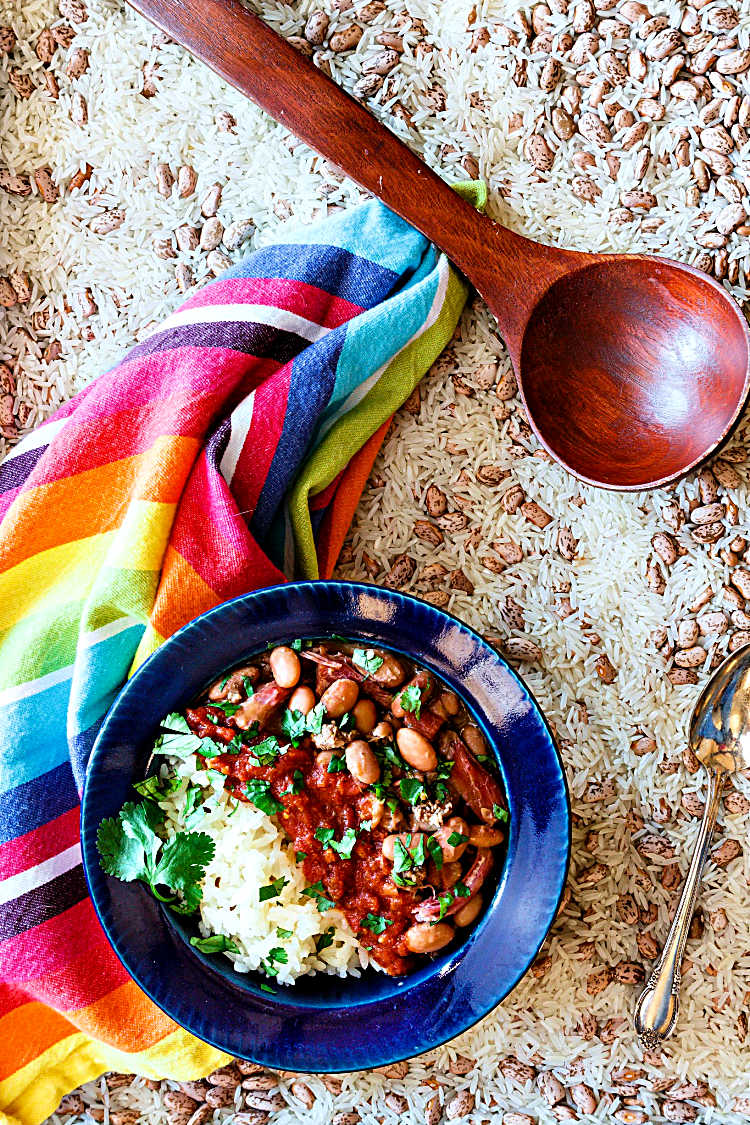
34 847
261 442
213 538
294 296
48 947
82 979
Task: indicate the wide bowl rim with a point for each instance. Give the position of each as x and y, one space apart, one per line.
161 995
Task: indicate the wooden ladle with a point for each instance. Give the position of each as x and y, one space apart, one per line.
633 369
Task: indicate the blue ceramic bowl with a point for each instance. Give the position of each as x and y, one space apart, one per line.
325 1023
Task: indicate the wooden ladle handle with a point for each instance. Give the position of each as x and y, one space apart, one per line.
242 49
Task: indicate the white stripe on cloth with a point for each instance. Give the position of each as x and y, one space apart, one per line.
257 314
43 435
366 385
42 873
87 640
239 422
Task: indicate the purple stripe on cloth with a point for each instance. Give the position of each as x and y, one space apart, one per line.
261 340
14 473
42 903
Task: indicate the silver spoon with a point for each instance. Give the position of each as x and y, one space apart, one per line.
720 738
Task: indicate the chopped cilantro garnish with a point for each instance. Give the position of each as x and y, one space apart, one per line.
273 890
368 659
156 788
296 645
294 725
316 891
259 793
461 890
392 756
216 943
193 810
176 738
299 856
129 849
337 764
283 934
411 700
297 784
229 709
419 853
412 790
402 858
278 955
325 835
365 825
267 751
456 838
314 719
247 685
436 852
483 758
345 846
345 722
322 941
500 813
225 681
267 988
444 769
445 900
376 922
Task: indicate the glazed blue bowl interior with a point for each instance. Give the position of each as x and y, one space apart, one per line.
328 1023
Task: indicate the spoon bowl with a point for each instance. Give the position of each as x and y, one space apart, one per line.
633 369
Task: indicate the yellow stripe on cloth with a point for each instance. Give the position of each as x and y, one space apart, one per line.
31 1094
29 586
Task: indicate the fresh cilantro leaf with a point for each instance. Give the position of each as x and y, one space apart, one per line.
183 862
392 804
322 941
412 790
188 904
210 749
444 769
445 901
267 751
120 855
456 838
247 685
314 719
392 756
283 934
269 968
346 721
228 709
273 890
483 758
296 645
156 788
325 835
337 764
440 791
365 825
299 856
376 922
216 943
419 853
294 725
259 793
297 784
278 955
436 852
316 891
368 659
500 814
267 988
225 681
402 858
176 738
193 811
345 846
411 700
461 890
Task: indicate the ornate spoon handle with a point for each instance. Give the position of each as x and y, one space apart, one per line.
658 1004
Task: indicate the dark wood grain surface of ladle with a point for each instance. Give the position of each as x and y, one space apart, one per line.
633 369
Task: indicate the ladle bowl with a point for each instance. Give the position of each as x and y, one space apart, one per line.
633 369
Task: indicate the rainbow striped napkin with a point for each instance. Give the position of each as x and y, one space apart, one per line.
225 452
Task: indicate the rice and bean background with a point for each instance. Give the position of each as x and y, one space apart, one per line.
128 173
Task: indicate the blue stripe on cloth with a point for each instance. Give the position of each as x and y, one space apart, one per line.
368 233
100 671
259 340
36 802
332 268
312 383
81 746
14 472
36 723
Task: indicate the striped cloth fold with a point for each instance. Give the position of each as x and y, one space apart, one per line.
226 451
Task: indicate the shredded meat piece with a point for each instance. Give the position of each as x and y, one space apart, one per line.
428 816
329 738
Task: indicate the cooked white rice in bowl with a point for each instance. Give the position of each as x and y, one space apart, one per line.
283 935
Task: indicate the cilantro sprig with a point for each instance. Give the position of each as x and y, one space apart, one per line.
411 700
316 891
214 943
500 813
376 923
258 792
342 847
130 849
367 659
